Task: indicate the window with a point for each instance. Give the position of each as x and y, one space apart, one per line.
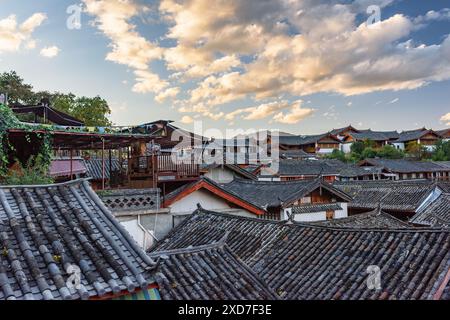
330 215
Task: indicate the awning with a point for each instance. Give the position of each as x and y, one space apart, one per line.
61 168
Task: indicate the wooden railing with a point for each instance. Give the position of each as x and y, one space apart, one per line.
163 165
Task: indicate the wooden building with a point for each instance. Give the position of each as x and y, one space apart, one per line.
313 144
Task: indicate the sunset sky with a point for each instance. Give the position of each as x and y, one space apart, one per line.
302 66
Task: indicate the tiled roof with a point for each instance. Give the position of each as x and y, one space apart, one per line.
407 166
341 130
211 272
292 167
411 135
375 135
304 261
308 208
304 139
46 229
353 171
373 219
437 214
220 190
393 196
95 168
275 194
286 154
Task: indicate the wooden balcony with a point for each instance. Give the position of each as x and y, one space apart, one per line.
161 168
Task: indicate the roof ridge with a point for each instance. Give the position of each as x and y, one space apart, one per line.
67 183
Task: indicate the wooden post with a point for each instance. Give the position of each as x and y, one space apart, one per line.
103 164
71 163
110 166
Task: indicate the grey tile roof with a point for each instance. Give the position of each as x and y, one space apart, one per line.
436 214
277 194
372 219
45 229
294 154
308 208
411 135
407 166
375 135
393 196
95 168
340 130
293 167
211 272
304 261
353 171
302 139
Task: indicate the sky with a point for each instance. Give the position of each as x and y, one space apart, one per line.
301 66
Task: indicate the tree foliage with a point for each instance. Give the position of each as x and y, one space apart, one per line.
92 111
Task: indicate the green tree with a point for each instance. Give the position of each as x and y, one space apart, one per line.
390 152
369 153
92 111
337 154
358 147
18 91
416 150
442 151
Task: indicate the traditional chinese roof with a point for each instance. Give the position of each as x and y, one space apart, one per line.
295 167
406 166
305 139
305 261
374 219
404 196
412 135
294 154
374 135
46 230
278 194
219 190
316 207
339 131
94 167
210 272
436 214
353 171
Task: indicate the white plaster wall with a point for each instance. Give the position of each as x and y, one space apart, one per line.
206 199
317 216
220 175
131 224
325 151
399 145
346 147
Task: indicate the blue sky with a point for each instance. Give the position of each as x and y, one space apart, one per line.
306 67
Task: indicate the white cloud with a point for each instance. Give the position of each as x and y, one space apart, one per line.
166 94
187 120
446 119
295 113
13 35
269 49
128 47
50 52
394 101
